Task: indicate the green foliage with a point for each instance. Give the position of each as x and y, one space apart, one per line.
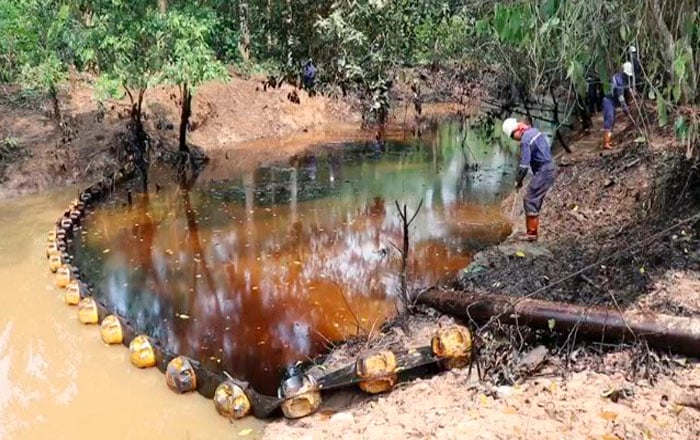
445 40
190 59
661 111
35 48
356 44
10 143
128 39
681 127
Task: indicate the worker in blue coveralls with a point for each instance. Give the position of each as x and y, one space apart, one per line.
535 155
618 97
309 76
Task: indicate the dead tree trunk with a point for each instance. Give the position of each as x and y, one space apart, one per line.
663 332
53 93
406 224
163 6
137 147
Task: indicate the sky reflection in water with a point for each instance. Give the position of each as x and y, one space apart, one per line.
258 271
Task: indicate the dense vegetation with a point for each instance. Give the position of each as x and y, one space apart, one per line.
358 45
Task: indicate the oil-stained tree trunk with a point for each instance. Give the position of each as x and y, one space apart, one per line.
139 138
53 93
185 113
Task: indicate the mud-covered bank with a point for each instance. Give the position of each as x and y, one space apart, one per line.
239 116
43 153
527 382
628 213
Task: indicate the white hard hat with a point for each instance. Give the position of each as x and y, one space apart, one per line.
509 126
633 49
628 69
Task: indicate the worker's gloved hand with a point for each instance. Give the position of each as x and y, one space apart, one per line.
626 109
522 172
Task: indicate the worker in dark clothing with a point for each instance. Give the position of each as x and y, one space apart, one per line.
535 155
618 97
638 80
594 95
310 77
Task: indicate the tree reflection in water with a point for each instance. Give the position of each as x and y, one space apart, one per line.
252 274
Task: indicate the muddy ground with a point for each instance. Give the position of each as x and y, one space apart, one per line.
604 401
609 211
602 204
38 154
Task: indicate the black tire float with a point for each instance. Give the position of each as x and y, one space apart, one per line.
375 371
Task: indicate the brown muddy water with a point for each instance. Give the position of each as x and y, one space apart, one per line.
247 272
57 379
251 272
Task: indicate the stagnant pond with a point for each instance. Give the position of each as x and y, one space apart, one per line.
251 272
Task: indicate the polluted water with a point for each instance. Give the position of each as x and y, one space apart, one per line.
250 272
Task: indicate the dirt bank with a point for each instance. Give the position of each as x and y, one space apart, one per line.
601 205
241 116
37 153
595 396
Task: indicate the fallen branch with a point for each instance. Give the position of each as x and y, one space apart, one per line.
663 332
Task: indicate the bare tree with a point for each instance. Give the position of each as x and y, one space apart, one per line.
404 252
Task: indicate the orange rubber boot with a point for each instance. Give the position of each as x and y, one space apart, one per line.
532 223
607 141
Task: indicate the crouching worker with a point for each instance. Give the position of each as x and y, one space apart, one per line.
619 93
535 154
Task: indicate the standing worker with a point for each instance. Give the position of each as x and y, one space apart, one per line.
617 98
594 92
535 154
310 76
637 82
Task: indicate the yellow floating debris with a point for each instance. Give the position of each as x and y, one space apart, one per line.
180 376
142 353
378 371
63 276
111 330
55 261
72 294
453 343
303 395
230 400
87 311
